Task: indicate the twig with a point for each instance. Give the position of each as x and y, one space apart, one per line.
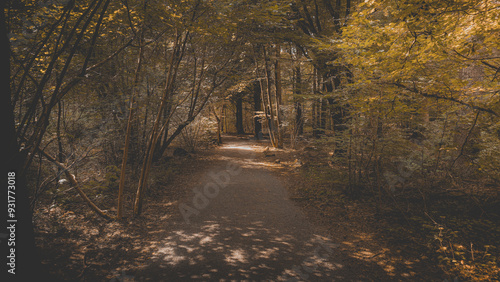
466 139
431 218
472 251
85 265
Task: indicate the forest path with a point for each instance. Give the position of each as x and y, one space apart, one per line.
240 225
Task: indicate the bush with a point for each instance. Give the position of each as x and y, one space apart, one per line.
198 133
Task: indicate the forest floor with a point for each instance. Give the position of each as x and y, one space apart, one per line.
249 214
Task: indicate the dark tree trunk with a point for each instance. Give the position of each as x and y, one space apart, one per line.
162 145
224 118
298 118
257 107
314 116
239 115
322 112
337 111
219 125
25 255
60 153
326 88
299 125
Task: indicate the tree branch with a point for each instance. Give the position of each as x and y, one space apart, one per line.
72 180
415 90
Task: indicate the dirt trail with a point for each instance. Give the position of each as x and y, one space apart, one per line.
240 225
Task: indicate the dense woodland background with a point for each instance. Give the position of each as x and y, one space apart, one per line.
399 98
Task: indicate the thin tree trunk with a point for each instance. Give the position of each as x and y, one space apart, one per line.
465 141
193 112
323 115
299 125
266 114
128 134
257 107
316 105
265 107
124 160
224 123
269 107
60 153
146 114
278 95
313 116
177 55
219 125
153 138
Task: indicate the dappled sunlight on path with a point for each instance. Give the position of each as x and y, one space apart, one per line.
240 225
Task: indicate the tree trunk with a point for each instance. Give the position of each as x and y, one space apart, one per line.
327 87
162 145
124 160
299 124
60 153
266 114
224 117
337 111
316 113
323 115
219 125
269 107
278 95
128 134
257 107
313 117
239 115
177 54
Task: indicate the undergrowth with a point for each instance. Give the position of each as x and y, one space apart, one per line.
459 232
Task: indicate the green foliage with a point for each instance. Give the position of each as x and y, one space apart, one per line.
421 69
429 47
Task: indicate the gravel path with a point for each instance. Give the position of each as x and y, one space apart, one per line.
239 225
